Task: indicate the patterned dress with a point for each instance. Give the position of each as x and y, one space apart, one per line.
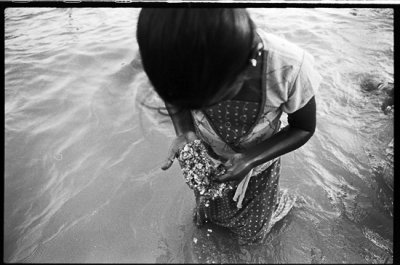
288 81
249 223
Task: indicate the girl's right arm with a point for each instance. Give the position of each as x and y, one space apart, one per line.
182 119
184 129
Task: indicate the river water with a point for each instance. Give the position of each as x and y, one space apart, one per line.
82 153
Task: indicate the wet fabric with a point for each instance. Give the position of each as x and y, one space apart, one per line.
251 223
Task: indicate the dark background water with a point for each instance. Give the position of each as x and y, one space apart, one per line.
82 156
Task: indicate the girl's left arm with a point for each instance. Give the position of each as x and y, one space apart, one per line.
301 127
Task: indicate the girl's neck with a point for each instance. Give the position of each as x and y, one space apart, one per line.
251 89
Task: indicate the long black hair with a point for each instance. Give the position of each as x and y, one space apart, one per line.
189 54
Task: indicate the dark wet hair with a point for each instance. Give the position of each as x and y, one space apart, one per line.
190 54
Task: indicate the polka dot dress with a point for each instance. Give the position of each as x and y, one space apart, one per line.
249 223
232 119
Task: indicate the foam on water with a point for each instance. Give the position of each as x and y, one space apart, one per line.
83 149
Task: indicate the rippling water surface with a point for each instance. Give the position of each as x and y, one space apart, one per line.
82 156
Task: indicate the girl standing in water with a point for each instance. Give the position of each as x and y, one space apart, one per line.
227 83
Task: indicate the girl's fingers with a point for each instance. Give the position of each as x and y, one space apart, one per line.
228 164
167 164
176 145
224 177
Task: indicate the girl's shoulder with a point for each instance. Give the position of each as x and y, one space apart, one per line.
280 47
291 77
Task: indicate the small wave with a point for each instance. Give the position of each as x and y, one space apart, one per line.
380 242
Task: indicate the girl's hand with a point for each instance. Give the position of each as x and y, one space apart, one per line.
238 166
178 143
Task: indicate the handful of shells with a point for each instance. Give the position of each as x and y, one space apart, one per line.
200 171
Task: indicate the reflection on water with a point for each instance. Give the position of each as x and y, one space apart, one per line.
83 152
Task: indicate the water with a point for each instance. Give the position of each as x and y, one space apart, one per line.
82 156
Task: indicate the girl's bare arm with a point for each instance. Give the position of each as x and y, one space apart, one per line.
184 129
182 119
301 127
